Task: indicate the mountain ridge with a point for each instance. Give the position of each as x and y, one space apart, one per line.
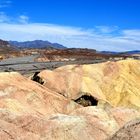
36 44
5 47
125 52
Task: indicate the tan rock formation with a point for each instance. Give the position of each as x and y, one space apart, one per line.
29 110
84 123
115 83
21 95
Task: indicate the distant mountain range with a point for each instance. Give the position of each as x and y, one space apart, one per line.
36 44
127 52
8 46
133 52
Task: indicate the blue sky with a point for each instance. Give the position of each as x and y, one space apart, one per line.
112 25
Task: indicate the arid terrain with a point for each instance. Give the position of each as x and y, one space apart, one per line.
68 94
30 60
74 102
69 69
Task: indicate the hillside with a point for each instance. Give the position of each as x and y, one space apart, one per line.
78 54
5 47
114 83
7 50
36 44
75 102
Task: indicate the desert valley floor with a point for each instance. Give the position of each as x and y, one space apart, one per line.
72 102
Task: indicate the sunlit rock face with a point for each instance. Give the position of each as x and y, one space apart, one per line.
83 123
71 103
21 95
113 83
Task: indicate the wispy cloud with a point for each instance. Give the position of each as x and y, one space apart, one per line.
133 34
4 18
100 38
5 3
23 19
106 29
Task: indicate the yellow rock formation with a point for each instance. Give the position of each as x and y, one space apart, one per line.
29 110
115 83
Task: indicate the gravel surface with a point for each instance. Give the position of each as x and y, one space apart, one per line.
27 65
